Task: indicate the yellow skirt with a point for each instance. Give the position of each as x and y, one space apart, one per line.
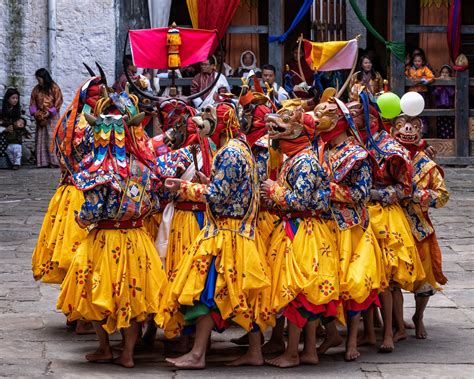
266 222
116 276
426 248
152 223
184 231
361 263
308 265
60 236
401 261
241 279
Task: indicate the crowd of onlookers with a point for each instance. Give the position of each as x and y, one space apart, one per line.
46 97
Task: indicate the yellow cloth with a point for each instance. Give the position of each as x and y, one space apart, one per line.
152 223
241 277
266 222
59 237
323 52
400 257
309 264
116 276
361 263
424 248
193 12
184 231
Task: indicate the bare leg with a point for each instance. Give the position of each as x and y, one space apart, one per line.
387 345
130 336
196 358
276 344
400 333
290 358
84 327
309 355
351 344
253 356
421 303
333 338
150 333
369 338
104 352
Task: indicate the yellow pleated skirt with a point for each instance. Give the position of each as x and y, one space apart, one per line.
266 222
184 231
361 263
59 237
401 260
425 249
308 265
241 279
116 276
152 223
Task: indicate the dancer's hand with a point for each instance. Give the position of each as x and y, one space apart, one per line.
173 184
201 178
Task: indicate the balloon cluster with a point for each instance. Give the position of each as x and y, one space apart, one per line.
390 105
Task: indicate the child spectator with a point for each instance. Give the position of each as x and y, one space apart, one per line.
14 134
11 111
444 98
421 75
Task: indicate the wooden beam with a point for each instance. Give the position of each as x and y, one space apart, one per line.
415 29
248 29
438 112
462 113
397 28
276 27
437 82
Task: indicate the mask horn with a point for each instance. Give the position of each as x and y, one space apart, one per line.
89 70
102 73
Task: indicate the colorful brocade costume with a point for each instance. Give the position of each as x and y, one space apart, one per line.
362 275
429 190
116 275
223 272
303 253
392 184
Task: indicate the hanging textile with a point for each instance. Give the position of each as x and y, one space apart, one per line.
193 12
330 56
299 16
216 14
454 30
397 48
159 11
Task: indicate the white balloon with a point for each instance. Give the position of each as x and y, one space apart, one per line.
412 104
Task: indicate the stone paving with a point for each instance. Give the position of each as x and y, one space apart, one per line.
34 340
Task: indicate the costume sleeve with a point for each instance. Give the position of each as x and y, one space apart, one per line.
99 204
58 98
355 188
434 194
401 173
310 188
193 192
378 83
33 101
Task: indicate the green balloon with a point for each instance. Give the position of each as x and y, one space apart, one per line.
389 105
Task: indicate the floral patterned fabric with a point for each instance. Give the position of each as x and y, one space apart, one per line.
393 179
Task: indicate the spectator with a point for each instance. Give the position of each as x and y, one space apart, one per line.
444 99
11 110
45 105
278 94
248 62
220 57
366 78
204 79
119 85
14 134
420 51
293 65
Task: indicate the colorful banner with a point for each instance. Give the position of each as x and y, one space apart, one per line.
330 56
149 48
454 29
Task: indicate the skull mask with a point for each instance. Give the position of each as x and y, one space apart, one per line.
206 121
407 130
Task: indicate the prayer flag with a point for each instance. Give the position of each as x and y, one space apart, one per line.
330 56
149 48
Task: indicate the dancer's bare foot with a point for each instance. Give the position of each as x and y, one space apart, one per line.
126 362
420 331
330 342
100 356
274 347
400 335
309 357
387 345
188 361
84 327
248 359
351 353
284 360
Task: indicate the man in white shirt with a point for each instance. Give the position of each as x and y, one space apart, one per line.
269 75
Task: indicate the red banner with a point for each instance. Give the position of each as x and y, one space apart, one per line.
149 48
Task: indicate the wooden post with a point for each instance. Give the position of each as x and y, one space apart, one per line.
397 33
275 28
462 113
